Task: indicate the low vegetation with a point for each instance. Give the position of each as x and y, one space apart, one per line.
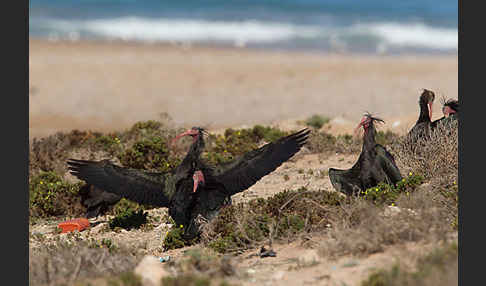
129 219
62 263
316 121
440 267
423 207
233 143
50 195
282 216
436 158
388 194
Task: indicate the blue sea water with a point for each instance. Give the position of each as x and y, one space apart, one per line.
362 26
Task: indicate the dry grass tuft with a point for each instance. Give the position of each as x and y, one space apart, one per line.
367 228
433 157
63 263
203 261
439 267
200 266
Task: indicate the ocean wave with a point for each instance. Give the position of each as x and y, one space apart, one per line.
134 28
411 34
380 36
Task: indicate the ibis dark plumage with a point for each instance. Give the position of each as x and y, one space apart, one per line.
96 200
375 164
450 109
422 127
193 188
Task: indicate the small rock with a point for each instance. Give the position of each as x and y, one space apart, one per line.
391 210
150 270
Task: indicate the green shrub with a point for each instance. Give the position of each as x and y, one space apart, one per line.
223 148
109 143
174 238
284 215
316 121
387 194
149 154
129 219
50 195
149 126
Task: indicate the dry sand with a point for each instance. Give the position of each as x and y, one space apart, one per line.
108 86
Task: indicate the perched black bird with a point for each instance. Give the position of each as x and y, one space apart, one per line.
193 188
423 125
450 109
375 164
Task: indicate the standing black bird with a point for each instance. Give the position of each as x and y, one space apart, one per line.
423 124
375 164
192 188
450 109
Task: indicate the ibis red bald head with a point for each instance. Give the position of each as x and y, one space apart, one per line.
450 106
367 121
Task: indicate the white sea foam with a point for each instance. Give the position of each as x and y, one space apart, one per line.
412 35
240 33
134 28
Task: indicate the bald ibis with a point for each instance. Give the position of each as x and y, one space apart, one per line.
450 109
375 164
193 188
97 201
422 126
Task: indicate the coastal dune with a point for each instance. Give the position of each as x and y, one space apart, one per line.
106 86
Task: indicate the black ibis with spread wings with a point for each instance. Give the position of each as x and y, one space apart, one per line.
193 188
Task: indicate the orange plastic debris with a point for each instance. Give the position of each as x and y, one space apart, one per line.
78 224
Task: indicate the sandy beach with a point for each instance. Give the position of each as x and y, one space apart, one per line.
108 86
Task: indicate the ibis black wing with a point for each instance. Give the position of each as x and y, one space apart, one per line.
97 201
246 170
136 185
346 181
387 163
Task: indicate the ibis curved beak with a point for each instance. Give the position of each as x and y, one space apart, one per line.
198 177
188 132
430 110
